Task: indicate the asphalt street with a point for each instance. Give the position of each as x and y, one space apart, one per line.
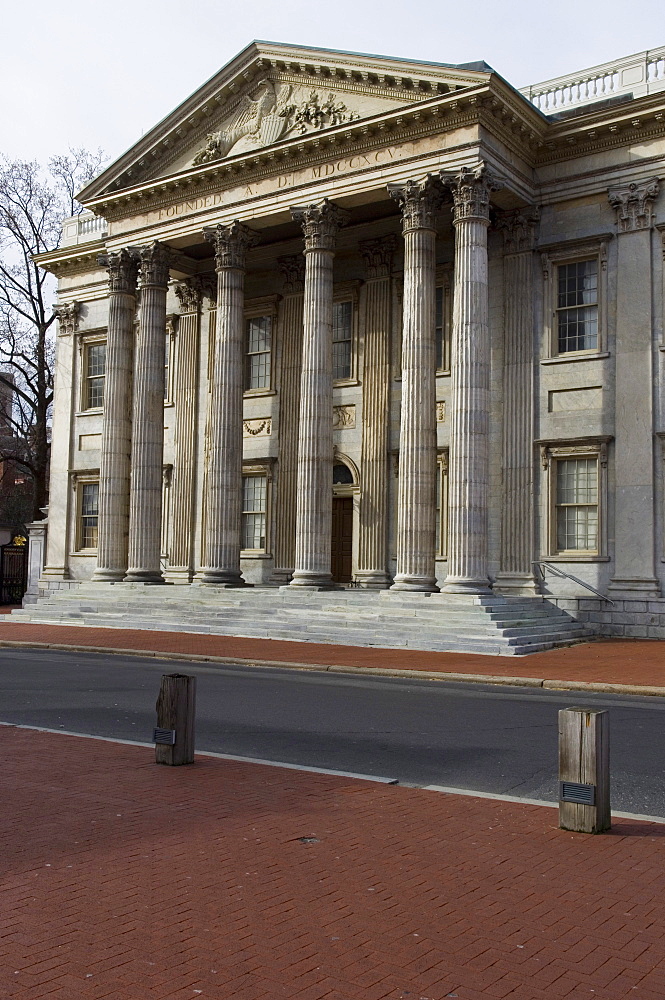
485 738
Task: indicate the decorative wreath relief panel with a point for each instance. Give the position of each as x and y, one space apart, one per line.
271 112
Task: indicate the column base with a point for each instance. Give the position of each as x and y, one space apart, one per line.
313 581
220 578
415 584
143 576
516 585
634 587
371 579
102 575
458 585
180 575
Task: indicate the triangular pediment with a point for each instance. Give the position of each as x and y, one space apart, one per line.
271 93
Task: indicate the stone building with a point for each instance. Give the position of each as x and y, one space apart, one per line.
345 319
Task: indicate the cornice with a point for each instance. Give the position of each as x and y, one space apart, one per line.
365 135
72 260
357 73
606 128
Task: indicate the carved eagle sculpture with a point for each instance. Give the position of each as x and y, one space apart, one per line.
261 119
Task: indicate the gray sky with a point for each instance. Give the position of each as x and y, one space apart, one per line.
86 73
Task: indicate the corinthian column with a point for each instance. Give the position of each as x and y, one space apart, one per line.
517 514
223 500
372 543
181 555
470 369
145 499
416 503
114 462
315 450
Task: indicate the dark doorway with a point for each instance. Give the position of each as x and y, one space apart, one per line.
342 539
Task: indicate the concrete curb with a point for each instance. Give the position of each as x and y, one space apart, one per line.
427 675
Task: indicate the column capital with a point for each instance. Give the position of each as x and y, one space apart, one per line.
519 228
320 223
231 244
418 201
471 189
155 261
634 205
123 268
193 290
67 315
378 255
293 272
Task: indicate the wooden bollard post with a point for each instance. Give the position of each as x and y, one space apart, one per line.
584 770
176 706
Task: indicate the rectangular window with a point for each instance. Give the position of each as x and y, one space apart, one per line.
577 505
577 306
259 335
443 327
95 376
342 340
254 505
89 510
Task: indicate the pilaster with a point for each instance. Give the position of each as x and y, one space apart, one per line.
223 498
517 502
319 223
634 525
115 464
470 369
373 520
416 503
145 499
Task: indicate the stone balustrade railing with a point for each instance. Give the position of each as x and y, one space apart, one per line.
83 228
640 74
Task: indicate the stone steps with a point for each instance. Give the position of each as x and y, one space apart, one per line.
454 623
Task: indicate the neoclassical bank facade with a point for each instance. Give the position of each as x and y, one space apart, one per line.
343 320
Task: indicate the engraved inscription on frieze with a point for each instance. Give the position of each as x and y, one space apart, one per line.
441 411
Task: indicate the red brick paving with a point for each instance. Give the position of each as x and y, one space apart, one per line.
611 661
125 880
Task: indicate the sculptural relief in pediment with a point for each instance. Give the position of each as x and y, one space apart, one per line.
278 110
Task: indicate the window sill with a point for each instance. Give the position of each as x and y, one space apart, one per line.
586 557
563 358
84 552
340 383
92 412
443 373
251 393
254 554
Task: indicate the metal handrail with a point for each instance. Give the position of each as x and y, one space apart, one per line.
569 576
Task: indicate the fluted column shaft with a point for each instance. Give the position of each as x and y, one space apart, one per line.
291 334
145 499
416 503
315 443
181 556
373 530
517 513
221 560
470 369
114 465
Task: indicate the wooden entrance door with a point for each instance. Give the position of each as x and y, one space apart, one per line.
342 539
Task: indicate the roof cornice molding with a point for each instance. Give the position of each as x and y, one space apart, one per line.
382 76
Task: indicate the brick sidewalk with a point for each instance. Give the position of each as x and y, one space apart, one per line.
122 879
608 661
